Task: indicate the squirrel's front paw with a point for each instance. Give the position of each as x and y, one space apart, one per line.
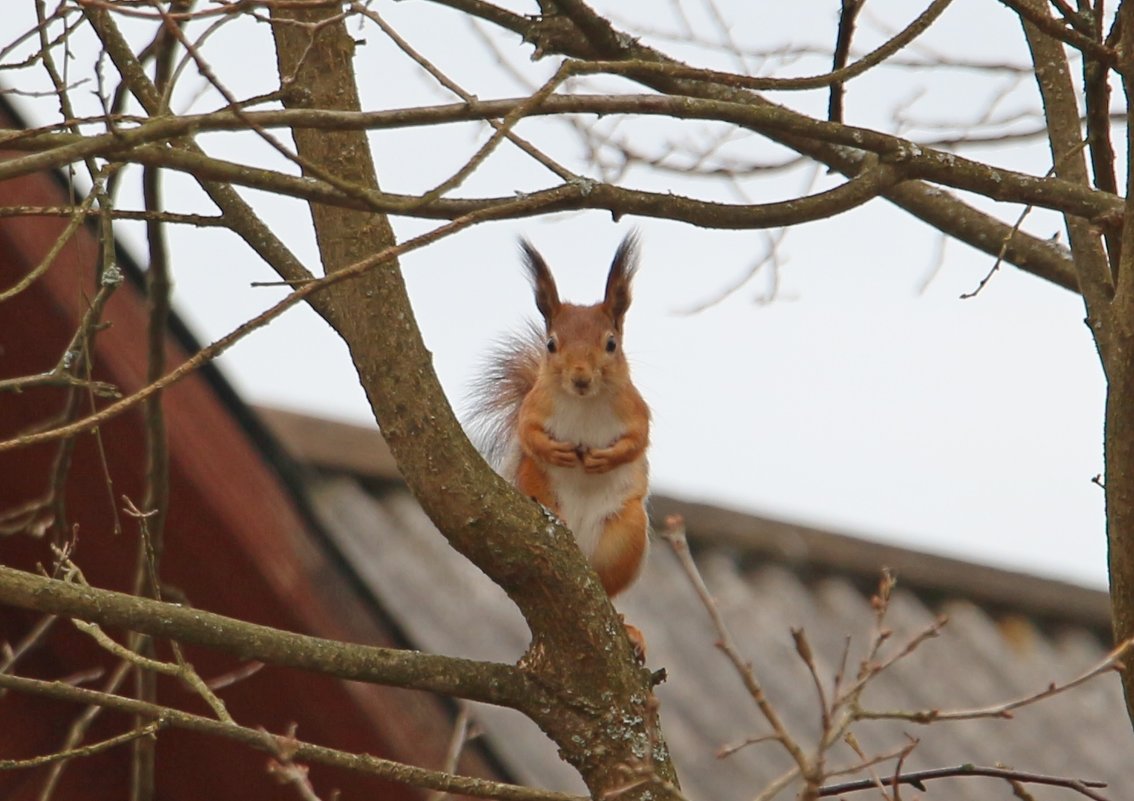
598 461
562 454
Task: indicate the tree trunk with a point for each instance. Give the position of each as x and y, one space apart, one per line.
598 707
1119 449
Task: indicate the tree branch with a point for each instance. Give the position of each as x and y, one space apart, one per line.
264 741
306 292
1039 256
1061 113
1040 18
238 215
503 685
973 176
556 34
1113 328
917 161
916 778
602 715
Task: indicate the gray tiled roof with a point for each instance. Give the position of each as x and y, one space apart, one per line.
446 605
1008 636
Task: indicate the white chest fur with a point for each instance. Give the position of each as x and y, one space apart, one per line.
586 500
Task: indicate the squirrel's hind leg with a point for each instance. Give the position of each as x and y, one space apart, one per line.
618 556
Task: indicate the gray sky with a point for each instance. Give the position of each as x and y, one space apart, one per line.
865 396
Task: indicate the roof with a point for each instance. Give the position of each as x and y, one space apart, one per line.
1009 635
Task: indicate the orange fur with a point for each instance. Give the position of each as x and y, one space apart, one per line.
578 426
622 547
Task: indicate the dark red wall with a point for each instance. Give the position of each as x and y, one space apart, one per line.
235 544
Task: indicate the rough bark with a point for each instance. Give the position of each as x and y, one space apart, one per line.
1108 301
1114 333
1119 450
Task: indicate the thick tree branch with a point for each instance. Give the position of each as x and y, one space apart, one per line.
1039 17
872 182
1124 289
503 685
1039 256
261 740
1061 113
1110 308
1098 120
1113 328
918 162
1042 257
602 718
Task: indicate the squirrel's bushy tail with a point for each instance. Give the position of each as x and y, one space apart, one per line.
506 378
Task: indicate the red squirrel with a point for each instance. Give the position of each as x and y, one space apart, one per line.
564 422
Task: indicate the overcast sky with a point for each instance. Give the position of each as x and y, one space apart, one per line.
864 396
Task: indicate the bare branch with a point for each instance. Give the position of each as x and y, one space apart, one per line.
942 211
915 161
674 534
147 730
309 288
1113 661
13 654
260 741
78 730
850 9
482 681
1038 16
463 731
918 778
1061 114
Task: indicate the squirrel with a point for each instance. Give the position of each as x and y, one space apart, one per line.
560 418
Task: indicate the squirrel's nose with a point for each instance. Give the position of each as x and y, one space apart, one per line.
581 383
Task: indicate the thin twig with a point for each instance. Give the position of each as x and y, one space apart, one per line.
731 748
674 533
284 768
218 347
13 654
78 729
198 220
182 670
1113 661
503 128
462 731
847 18
1082 786
255 738
148 730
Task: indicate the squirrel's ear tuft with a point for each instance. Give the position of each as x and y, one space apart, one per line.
622 270
546 295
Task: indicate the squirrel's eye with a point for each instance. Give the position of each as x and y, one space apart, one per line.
551 346
611 344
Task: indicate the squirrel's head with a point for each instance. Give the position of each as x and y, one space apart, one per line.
584 343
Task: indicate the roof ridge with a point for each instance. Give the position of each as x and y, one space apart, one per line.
943 577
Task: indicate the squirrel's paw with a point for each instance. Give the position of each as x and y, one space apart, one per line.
598 461
562 454
637 639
